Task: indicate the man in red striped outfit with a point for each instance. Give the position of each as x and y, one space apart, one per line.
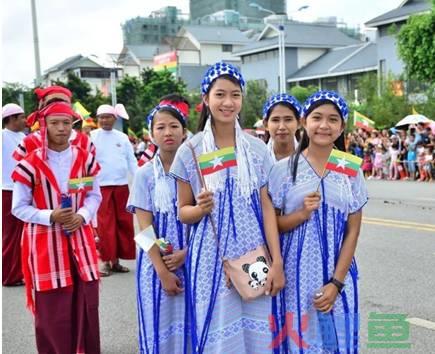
56 195
32 141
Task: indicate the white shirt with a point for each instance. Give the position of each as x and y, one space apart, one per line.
10 141
60 163
115 155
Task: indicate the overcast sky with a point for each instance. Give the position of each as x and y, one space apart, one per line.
70 27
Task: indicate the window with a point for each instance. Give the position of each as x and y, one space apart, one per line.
227 48
383 31
92 73
330 84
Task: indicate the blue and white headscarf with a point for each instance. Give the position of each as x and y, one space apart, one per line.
218 70
281 98
157 108
271 102
246 174
331 96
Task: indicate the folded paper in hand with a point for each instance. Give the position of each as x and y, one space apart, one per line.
146 238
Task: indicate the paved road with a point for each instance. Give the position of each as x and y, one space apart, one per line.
396 257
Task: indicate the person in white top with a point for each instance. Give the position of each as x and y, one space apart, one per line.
13 123
115 225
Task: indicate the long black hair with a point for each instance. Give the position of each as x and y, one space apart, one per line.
205 112
304 141
287 105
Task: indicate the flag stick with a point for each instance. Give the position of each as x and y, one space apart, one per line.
324 168
204 186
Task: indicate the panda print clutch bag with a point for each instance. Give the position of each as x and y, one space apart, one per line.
248 274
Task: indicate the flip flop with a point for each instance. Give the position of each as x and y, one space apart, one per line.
118 268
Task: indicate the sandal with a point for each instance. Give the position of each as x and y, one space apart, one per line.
105 270
118 268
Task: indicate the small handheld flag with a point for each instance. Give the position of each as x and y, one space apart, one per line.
361 121
76 185
217 160
131 133
342 162
165 247
78 108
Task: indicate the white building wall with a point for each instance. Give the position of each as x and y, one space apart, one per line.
307 55
188 57
131 70
212 53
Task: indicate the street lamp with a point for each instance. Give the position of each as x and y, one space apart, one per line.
281 43
281 47
36 44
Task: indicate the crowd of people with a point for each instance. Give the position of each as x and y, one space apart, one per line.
236 237
405 154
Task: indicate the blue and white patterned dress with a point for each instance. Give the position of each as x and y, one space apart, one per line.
221 321
310 252
163 324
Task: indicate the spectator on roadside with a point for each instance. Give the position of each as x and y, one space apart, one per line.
394 155
367 165
378 162
428 163
421 160
411 156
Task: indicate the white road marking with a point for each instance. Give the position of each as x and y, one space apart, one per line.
422 323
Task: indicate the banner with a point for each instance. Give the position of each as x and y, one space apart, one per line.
166 61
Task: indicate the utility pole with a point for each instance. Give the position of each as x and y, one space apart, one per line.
36 44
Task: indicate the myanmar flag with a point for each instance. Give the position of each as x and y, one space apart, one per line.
217 160
76 185
343 162
361 121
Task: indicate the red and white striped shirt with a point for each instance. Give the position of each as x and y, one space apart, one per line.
46 249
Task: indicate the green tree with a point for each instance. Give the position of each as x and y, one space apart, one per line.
426 106
252 108
95 101
80 89
11 94
416 46
129 92
302 93
140 95
385 108
194 98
